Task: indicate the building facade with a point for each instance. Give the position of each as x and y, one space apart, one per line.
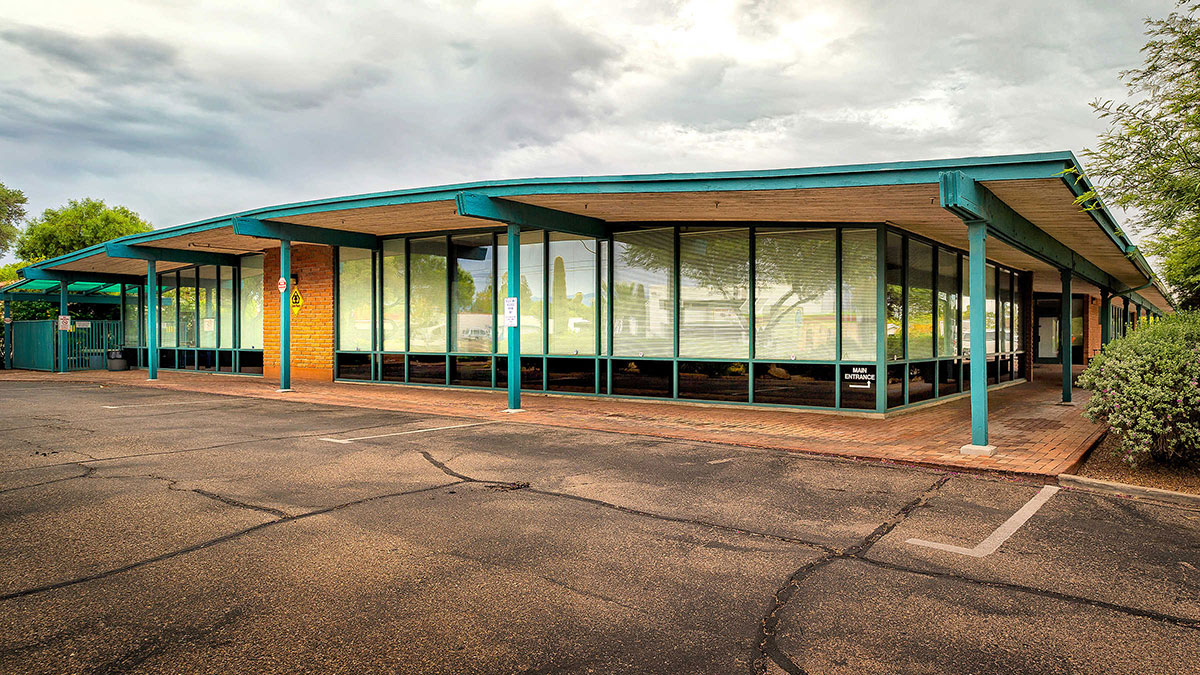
866 288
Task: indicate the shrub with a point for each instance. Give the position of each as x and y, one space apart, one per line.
1146 388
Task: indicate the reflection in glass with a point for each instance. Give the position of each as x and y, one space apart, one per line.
572 294
132 312
714 277
859 277
920 300
427 310
473 291
166 311
251 333
894 279
354 299
207 304
990 320
393 297
643 290
187 307
714 381
948 289
533 291
794 384
795 295
225 320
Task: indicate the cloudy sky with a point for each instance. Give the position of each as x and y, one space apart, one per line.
183 110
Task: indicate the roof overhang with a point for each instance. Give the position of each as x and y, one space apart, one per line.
1041 188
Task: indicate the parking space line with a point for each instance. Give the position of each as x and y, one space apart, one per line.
1002 533
721 461
144 405
410 431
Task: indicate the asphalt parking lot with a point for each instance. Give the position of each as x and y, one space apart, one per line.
160 531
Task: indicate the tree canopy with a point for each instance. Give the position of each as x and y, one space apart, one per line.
12 212
79 224
1148 160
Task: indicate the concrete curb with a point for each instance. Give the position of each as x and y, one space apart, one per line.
1127 490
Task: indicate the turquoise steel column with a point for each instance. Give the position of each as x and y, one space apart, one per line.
7 333
285 316
977 264
1064 340
151 320
1105 317
514 332
62 339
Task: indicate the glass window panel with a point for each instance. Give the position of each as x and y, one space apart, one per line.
473 292
920 300
795 295
471 371
1004 307
642 378
572 326
531 373
1018 298
920 381
354 299
948 289
605 256
207 302
578 375
393 297
714 278
226 309
251 326
166 310
392 367
894 278
793 384
965 300
714 381
187 307
948 382
895 384
131 302
352 366
533 292
424 369
427 310
858 383
859 279
643 293
990 320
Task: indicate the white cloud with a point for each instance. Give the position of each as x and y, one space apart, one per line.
184 110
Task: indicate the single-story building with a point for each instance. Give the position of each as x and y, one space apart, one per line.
863 288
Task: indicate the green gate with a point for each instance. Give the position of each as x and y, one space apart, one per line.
33 345
88 342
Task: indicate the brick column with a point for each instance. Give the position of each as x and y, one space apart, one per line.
312 327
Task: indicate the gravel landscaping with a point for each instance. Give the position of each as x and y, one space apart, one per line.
1104 463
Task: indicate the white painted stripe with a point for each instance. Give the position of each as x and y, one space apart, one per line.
722 461
410 431
1002 533
145 405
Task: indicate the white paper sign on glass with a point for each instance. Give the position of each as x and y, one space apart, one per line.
510 313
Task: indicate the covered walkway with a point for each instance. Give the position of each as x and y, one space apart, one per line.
1034 434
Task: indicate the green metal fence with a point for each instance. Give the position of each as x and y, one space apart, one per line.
88 342
33 345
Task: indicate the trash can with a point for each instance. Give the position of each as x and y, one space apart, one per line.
116 360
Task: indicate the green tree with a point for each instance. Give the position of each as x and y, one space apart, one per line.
1148 160
79 224
12 211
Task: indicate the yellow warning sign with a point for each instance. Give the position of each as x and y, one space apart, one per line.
297 301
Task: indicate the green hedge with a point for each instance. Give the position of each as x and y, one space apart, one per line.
1146 388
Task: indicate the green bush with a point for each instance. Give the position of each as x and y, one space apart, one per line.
1146 388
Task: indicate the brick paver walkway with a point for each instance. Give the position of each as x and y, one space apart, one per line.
1033 434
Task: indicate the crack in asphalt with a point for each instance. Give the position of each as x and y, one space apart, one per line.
525 486
1181 621
217 540
87 471
172 482
168 637
767 646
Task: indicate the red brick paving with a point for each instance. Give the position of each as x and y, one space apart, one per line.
1033 434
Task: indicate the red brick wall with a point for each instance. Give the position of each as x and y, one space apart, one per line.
312 327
